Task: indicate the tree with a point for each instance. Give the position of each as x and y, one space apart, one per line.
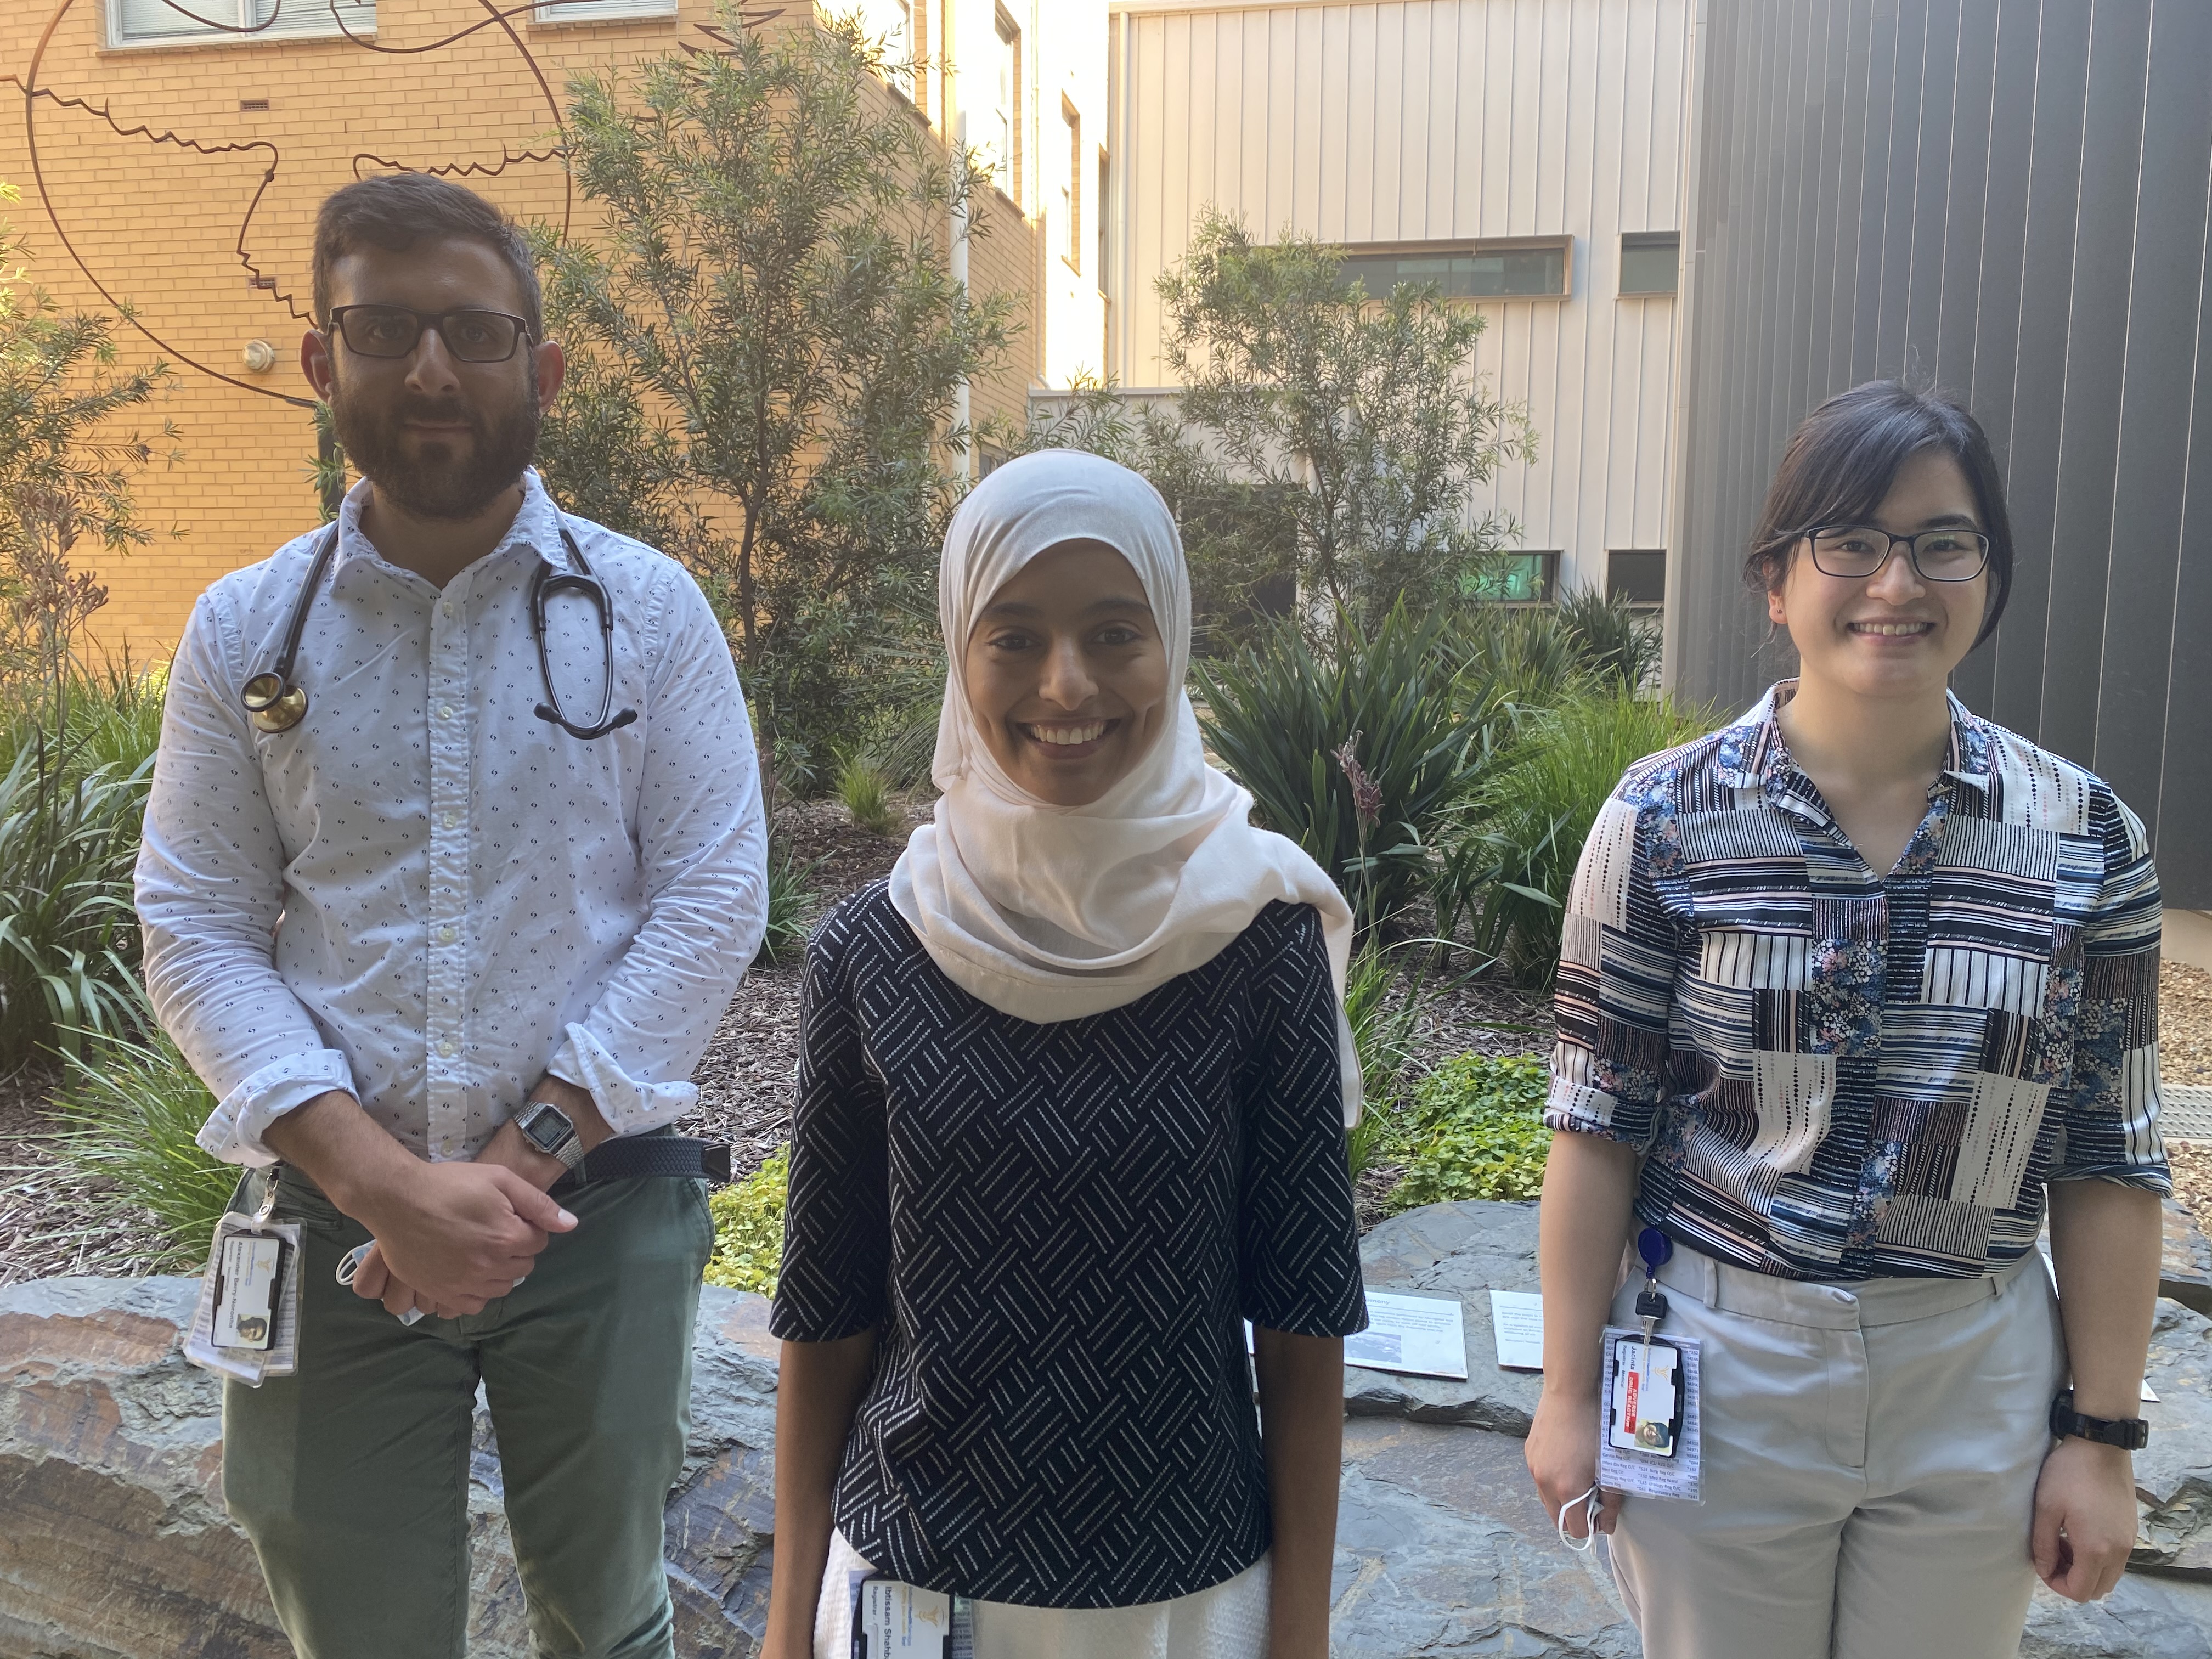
767 341
1358 418
65 475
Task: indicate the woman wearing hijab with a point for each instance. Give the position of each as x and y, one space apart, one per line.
1070 1110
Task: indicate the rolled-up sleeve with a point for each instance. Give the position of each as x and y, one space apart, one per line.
1616 982
702 848
210 889
2109 1107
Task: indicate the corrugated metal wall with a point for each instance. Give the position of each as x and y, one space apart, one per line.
1426 121
2009 199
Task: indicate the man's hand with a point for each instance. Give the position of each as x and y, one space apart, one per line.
455 1237
511 1148
2087 1491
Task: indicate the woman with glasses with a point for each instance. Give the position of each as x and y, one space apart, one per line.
1854 995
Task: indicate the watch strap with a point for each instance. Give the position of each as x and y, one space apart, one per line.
2129 1434
570 1148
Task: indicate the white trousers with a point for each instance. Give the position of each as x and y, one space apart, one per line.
1870 1458
1229 1621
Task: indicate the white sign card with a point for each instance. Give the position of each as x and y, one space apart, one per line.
1415 1335
1517 1320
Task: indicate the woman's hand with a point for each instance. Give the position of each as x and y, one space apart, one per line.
1562 1453
2085 1519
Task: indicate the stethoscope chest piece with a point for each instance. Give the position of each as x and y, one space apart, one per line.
273 703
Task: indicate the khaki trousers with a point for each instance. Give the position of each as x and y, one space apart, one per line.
1870 1458
352 1477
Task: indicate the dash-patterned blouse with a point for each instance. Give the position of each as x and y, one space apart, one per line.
1835 1074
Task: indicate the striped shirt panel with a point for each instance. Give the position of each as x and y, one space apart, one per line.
1834 1075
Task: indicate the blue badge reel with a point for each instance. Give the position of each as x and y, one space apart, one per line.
1649 1444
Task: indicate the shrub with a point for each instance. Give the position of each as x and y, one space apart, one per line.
1510 856
865 792
1473 1129
791 898
749 1228
129 1111
1280 713
1612 639
1383 1032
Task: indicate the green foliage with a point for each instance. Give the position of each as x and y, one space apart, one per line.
1475 1128
790 900
65 472
1355 422
1280 714
1383 1032
766 343
129 1111
1510 851
1611 637
866 792
749 1228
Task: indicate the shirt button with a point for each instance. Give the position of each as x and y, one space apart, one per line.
450 819
444 1048
444 711
445 936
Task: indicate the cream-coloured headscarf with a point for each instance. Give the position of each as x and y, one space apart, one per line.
1050 913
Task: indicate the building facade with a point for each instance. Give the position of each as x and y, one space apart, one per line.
1527 154
172 154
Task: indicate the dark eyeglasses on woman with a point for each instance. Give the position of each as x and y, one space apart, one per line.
1858 551
470 335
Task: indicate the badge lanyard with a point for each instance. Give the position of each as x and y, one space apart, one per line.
245 1325
1648 1440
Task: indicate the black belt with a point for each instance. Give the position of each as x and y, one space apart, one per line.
628 1156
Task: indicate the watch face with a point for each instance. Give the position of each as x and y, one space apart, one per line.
547 1125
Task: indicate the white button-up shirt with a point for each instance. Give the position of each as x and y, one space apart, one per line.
423 893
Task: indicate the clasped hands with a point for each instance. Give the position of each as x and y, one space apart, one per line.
454 1236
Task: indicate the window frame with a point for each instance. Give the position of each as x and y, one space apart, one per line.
1009 35
193 36
1071 198
1658 553
549 14
1446 247
1649 239
1547 562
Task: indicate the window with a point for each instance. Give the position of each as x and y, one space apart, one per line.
1530 269
1637 575
1098 212
1650 261
600 11
1071 196
1516 578
1004 132
162 23
898 47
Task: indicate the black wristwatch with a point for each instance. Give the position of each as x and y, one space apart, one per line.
2129 1434
548 1128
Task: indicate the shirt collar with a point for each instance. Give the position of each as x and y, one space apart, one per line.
1753 755
536 531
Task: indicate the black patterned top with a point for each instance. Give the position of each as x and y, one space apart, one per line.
1060 1229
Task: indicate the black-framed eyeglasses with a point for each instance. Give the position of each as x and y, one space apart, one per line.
470 335
1857 551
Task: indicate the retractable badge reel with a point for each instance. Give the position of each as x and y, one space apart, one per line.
1650 1443
246 1323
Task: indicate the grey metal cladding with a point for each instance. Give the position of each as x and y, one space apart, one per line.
2008 200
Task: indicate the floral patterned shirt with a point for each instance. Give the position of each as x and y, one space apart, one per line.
1836 1075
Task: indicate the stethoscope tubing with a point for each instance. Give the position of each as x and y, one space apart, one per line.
276 702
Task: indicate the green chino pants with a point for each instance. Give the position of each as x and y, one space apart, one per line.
352 1476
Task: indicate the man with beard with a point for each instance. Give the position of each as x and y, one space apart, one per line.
431 942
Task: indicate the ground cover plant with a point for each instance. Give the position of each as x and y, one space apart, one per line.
1473 1127
748 1227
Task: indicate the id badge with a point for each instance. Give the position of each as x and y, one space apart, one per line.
1650 1443
245 1324
896 1621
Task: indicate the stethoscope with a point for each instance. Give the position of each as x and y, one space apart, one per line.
275 701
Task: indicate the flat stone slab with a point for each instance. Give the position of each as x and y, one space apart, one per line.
2185 1268
1465 1250
2173 1473
116 1546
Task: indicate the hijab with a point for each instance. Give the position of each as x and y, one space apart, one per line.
1051 912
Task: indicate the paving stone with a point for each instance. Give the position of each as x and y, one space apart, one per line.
2184 1271
1466 1249
2173 1473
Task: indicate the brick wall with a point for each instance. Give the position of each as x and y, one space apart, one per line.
176 222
